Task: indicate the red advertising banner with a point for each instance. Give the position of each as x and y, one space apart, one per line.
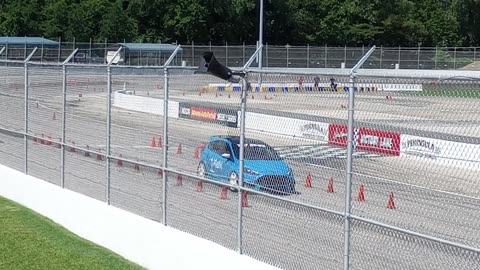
366 139
202 113
337 134
379 141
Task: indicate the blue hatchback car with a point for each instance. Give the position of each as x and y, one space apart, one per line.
264 169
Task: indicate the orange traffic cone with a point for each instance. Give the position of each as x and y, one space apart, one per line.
361 193
244 199
49 142
179 150
59 145
160 142
391 203
137 167
199 186
223 194
120 162
153 144
160 173
308 181
330 185
99 156
72 149
179 180
196 155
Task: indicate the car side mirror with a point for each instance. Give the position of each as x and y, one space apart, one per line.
226 155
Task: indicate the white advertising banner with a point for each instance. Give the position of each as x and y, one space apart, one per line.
287 126
447 152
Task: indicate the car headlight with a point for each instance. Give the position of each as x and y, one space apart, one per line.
249 171
290 172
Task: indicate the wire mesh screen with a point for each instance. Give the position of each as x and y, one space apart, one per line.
12 115
45 103
374 247
290 114
426 133
290 236
85 132
204 118
137 140
415 153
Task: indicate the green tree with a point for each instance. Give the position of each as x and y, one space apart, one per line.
21 17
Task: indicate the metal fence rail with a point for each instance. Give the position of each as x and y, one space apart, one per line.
384 167
426 58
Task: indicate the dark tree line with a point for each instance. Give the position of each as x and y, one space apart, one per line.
296 22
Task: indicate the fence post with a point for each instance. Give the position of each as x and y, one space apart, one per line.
436 55
193 54
64 114
326 52
64 117
59 49
25 141
345 55
455 58
381 56
90 51
243 109
41 52
308 55
418 60
287 53
109 130
243 53
266 55
348 184
105 52
474 54
226 54
166 145
350 149
399 55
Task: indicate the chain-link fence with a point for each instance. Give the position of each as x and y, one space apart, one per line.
298 169
274 56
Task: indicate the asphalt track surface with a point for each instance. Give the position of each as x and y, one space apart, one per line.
440 201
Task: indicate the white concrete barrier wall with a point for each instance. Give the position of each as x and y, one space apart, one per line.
144 104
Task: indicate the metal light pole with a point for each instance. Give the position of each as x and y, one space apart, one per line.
260 36
260 44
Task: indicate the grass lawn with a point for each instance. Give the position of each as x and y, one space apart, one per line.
31 241
451 92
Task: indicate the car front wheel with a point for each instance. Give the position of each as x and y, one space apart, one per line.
202 170
233 180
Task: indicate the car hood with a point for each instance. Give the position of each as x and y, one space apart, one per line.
268 167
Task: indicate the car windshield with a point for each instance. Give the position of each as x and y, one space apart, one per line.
257 151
